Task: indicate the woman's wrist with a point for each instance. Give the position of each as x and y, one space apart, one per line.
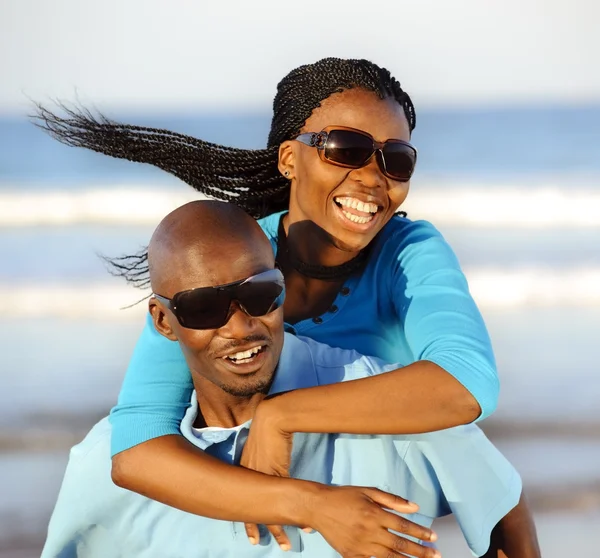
301 502
271 414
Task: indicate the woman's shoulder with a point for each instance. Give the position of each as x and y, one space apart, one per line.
270 224
409 246
401 232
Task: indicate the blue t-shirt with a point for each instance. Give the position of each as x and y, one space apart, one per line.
410 303
452 471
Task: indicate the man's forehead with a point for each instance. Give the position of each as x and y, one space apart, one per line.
225 268
206 244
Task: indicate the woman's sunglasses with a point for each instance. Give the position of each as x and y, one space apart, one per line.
351 148
210 307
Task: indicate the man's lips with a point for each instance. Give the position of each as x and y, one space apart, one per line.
242 349
245 365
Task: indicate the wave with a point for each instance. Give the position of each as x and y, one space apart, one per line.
483 206
491 288
510 206
115 205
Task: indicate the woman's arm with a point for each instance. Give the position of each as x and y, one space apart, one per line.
418 398
440 318
155 393
172 471
152 458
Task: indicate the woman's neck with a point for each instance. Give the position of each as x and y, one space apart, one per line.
309 243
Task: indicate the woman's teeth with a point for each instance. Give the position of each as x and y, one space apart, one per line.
356 218
369 209
244 356
353 203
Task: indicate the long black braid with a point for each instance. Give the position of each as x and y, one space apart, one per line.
247 177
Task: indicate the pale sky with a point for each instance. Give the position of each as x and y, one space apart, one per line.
231 53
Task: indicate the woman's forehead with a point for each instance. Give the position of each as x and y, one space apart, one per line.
364 110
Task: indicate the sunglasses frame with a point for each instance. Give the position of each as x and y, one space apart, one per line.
171 303
319 141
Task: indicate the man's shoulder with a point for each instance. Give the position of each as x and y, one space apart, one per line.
333 364
324 355
96 442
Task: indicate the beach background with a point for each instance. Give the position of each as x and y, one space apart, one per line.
508 132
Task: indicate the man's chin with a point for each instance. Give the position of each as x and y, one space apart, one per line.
249 387
249 379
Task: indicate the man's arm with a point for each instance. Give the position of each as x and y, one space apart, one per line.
515 535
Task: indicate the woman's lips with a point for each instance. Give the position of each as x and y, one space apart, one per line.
358 217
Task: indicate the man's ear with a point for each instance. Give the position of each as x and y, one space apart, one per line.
287 160
161 319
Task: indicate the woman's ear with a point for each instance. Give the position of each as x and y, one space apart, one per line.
161 319
287 161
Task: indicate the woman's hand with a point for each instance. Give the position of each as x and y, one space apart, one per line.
353 520
267 450
356 522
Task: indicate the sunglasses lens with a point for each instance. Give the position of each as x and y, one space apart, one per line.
348 148
203 308
400 160
208 308
262 294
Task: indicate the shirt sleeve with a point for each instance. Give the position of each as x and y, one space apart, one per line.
89 506
155 394
460 471
441 321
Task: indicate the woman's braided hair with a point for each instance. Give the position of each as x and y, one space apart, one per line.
247 177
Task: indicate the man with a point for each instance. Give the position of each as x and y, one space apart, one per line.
218 294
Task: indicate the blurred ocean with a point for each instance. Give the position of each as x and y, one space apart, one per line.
516 191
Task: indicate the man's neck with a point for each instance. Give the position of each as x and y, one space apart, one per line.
218 408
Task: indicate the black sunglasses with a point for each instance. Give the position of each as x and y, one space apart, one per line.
351 148
210 307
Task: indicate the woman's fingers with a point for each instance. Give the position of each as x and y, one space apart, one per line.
407 527
280 536
276 531
252 532
407 547
391 501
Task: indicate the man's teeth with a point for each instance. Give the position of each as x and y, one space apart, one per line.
244 356
353 203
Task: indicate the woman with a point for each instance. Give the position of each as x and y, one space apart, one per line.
328 186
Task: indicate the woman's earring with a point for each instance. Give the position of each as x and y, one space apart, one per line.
286 173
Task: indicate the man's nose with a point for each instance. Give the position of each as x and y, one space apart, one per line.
239 322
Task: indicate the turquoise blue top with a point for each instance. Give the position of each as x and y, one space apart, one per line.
410 303
453 471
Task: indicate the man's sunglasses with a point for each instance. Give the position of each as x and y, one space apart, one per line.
351 148
210 307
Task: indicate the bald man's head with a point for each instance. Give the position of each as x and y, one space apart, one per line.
213 244
199 243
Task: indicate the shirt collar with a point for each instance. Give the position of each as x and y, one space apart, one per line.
295 370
